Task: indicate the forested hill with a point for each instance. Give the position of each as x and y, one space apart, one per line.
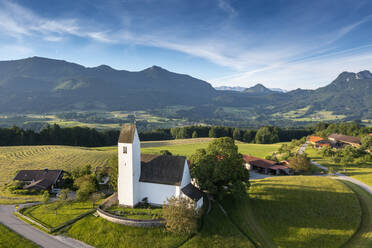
41 85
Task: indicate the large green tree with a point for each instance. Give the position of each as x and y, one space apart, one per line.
267 135
219 169
367 142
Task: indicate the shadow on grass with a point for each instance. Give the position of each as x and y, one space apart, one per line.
298 216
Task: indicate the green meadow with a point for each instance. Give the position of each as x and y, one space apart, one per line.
8 238
50 217
297 212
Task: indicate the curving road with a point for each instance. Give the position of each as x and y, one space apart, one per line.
338 175
40 238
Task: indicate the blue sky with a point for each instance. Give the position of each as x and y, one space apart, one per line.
286 44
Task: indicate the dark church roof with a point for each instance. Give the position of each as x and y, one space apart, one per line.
127 133
162 169
192 192
36 175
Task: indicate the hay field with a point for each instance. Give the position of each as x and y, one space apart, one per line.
15 158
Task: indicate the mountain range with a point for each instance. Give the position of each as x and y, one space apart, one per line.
41 85
254 89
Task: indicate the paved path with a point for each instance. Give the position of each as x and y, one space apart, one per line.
303 148
337 175
41 238
319 166
355 181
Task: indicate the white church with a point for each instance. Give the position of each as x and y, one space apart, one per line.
151 177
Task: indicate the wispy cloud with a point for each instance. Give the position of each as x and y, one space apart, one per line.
226 6
256 56
341 32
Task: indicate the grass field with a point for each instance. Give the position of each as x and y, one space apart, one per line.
8 238
187 150
218 232
363 237
298 212
136 213
362 172
101 233
8 198
47 216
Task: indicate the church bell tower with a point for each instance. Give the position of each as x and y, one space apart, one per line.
129 158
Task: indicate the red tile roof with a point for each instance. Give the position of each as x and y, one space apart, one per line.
259 162
315 138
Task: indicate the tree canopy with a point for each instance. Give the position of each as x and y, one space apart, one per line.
267 135
219 169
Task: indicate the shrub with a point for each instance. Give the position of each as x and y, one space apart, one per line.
165 152
86 185
300 162
180 215
46 196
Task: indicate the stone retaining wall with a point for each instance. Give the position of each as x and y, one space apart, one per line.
129 222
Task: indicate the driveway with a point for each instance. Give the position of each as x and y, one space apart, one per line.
303 148
42 239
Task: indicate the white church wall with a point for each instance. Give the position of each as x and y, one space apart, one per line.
136 168
158 193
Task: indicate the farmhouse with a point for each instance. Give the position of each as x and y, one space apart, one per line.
151 178
314 139
40 179
319 142
343 140
265 166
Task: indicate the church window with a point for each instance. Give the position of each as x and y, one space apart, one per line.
125 149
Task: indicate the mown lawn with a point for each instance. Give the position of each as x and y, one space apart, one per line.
8 238
258 150
298 211
218 232
46 215
98 232
8 198
363 237
136 213
362 172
